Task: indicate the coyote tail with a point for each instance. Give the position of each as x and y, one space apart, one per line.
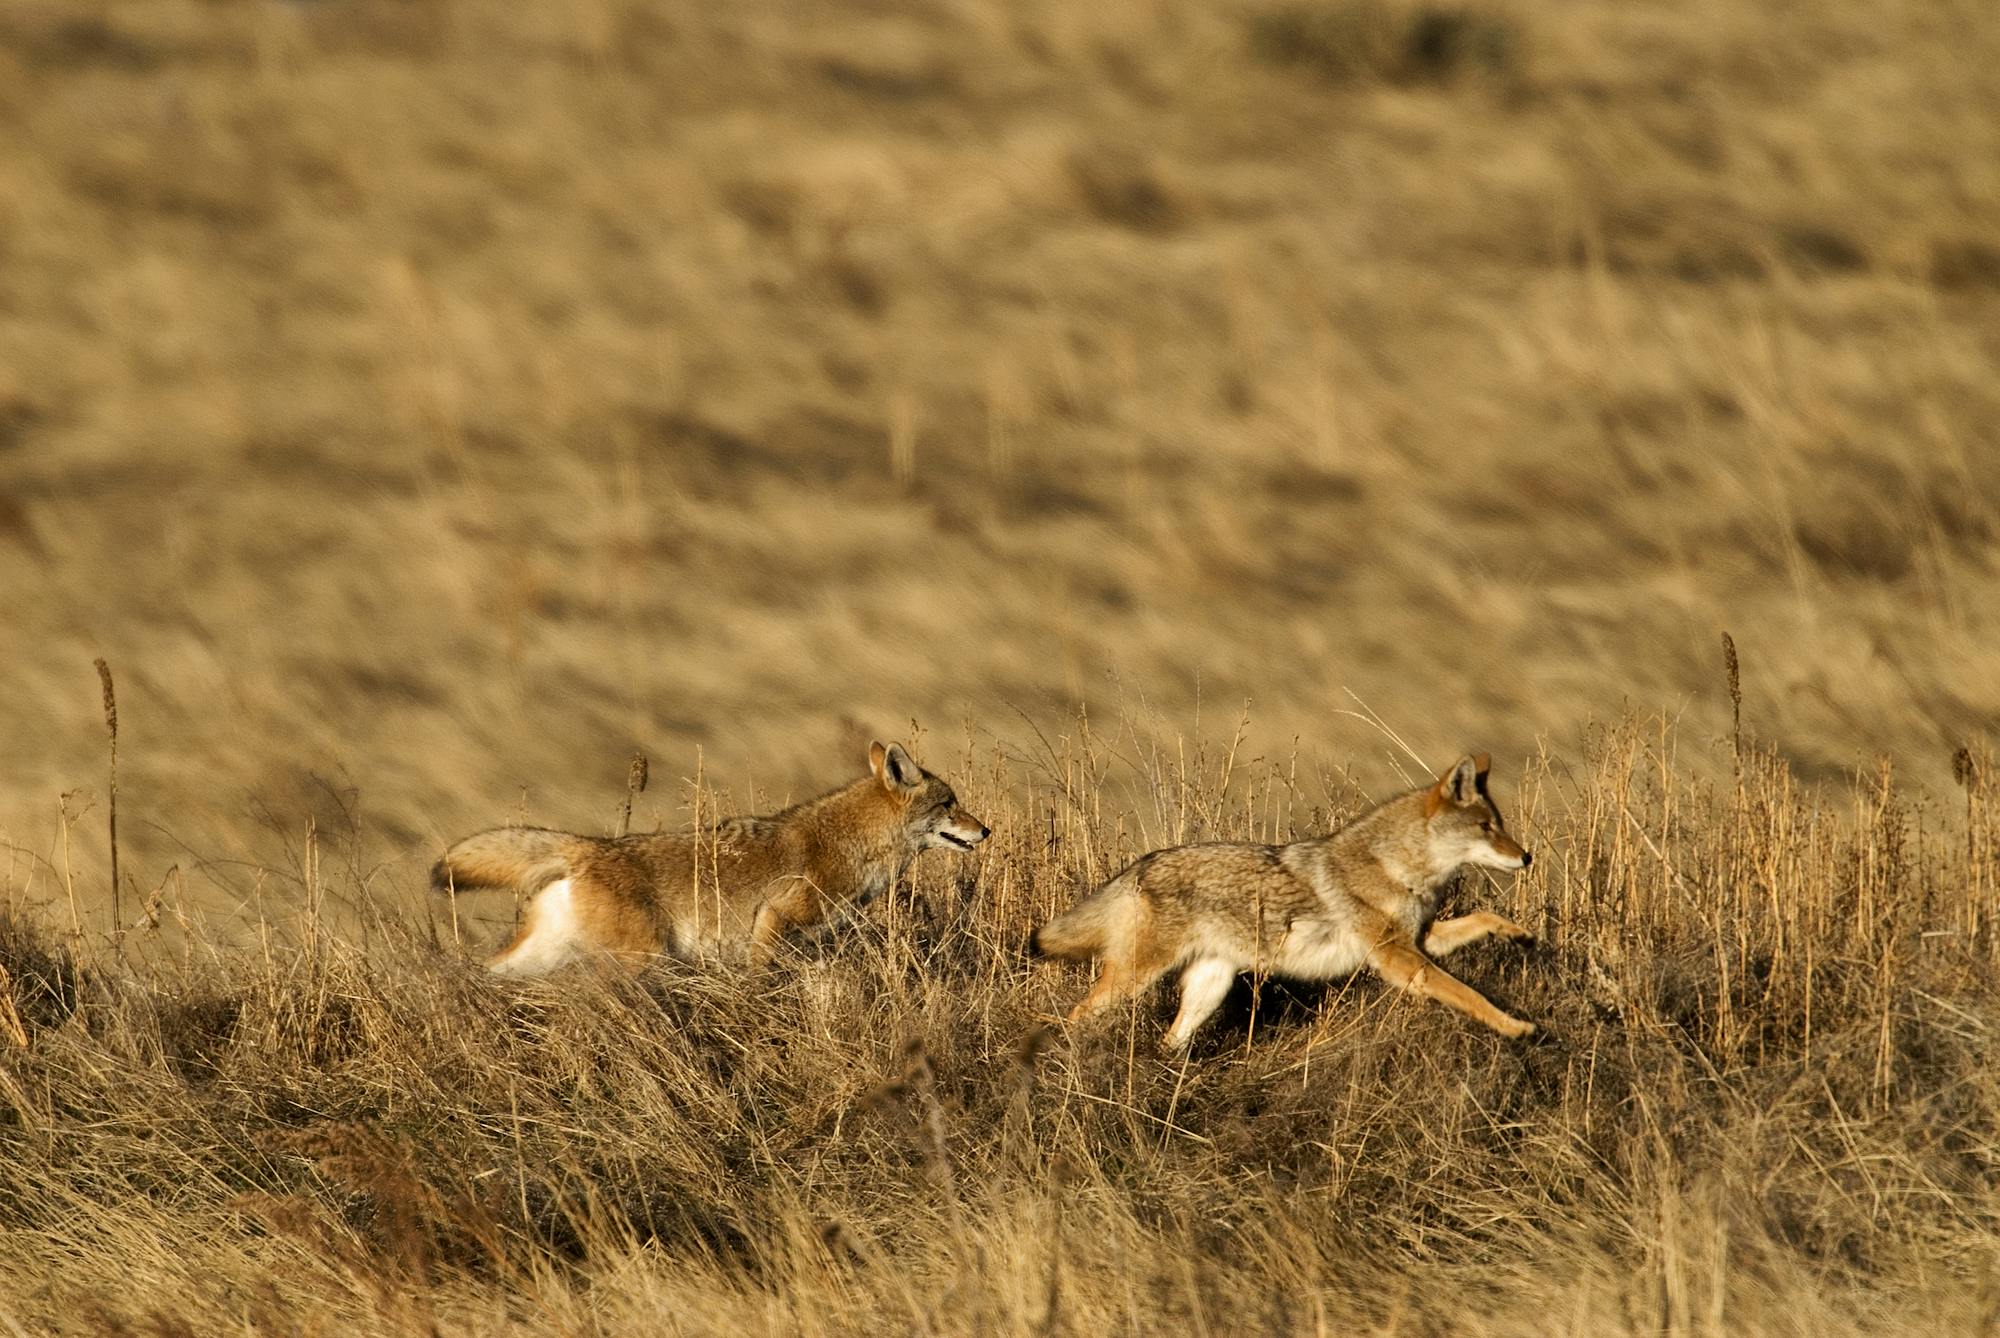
527 858
1085 930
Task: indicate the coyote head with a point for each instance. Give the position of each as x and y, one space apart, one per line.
931 815
1464 825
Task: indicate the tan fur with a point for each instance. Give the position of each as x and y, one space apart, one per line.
1365 896
745 881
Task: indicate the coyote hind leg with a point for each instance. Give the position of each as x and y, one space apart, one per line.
1127 965
546 939
1115 983
1204 985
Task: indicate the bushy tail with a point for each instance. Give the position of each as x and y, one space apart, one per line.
1084 930
527 858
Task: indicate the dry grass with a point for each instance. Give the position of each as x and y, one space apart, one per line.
423 406
1770 1105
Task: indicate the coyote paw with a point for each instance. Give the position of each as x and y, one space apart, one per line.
1514 1029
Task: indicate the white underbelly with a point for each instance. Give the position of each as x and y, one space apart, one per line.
1317 950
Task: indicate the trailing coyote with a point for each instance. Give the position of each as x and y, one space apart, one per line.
740 880
1313 910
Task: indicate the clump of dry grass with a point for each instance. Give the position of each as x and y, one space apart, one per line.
1767 1106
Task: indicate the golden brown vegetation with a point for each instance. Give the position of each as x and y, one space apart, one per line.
1770 1103
424 405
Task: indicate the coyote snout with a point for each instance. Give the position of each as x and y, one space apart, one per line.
1318 910
957 830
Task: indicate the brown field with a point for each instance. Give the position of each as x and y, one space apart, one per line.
425 405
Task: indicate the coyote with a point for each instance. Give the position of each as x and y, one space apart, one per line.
634 897
1313 910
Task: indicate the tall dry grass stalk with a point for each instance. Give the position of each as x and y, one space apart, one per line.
1767 1106
1733 671
635 785
111 802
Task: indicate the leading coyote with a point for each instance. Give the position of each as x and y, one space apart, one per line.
1312 910
743 879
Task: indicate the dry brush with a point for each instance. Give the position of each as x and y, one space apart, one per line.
1769 1103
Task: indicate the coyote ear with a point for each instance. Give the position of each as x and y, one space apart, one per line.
876 754
899 773
1482 765
1461 783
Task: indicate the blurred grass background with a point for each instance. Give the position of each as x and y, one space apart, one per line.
425 404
